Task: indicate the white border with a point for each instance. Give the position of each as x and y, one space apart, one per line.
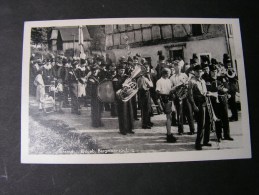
244 152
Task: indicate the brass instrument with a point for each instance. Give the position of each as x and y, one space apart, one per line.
129 87
181 91
211 112
231 73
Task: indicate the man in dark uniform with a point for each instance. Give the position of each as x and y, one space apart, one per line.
63 74
197 92
129 69
96 105
144 84
160 66
220 106
206 74
233 89
125 111
73 88
111 75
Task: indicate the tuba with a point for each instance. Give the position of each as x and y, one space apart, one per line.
231 73
129 87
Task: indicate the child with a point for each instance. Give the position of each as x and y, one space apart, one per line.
60 96
47 102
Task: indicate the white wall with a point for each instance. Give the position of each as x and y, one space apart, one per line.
216 46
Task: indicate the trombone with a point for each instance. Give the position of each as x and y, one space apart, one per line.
213 117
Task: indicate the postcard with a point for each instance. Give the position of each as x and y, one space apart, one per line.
133 90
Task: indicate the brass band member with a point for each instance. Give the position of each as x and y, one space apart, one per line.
111 75
129 70
73 86
144 84
233 89
163 88
196 92
220 106
125 111
47 73
181 105
63 73
96 106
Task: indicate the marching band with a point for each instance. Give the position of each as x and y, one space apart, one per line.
190 93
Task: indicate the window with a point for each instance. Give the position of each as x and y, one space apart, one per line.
176 54
148 59
116 27
204 57
230 30
197 29
129 26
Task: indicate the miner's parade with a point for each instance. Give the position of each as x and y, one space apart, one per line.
179 83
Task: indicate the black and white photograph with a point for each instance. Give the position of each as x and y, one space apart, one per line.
133 90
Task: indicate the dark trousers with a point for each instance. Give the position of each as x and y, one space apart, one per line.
125 116
134 106
145 107
66 95
114 111
221 111
96 112
184 106
74 98
233 106
203 125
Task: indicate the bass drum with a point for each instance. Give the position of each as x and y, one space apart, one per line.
105 91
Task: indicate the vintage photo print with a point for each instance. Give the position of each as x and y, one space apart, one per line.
133 90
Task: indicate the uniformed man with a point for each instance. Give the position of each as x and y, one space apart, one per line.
73 88
96 105
197 92
160 66
163 88
63 71
48 73
144 84
111 74
220 106
125 111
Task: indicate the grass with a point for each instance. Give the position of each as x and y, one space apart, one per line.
55 137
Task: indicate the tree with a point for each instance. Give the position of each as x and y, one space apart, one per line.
40 36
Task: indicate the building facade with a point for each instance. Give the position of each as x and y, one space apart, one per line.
174 40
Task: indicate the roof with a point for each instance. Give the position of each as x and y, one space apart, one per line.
68 32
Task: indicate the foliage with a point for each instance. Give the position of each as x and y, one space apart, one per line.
39 36
98 42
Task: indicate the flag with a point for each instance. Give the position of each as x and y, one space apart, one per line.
81 42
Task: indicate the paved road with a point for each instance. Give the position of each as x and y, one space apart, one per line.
144 140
